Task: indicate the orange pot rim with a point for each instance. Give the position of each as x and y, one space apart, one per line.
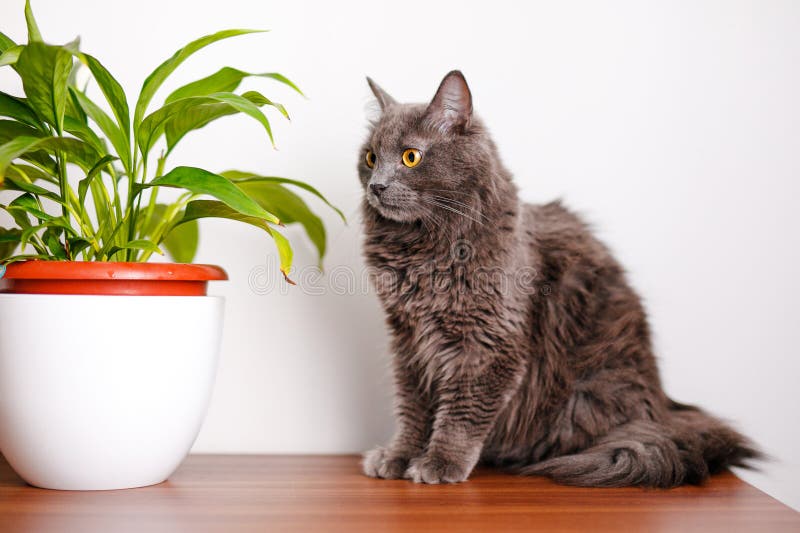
109 278
109 270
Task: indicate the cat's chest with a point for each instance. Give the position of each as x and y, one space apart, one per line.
450 284
412 279
445 311
404 283
442 293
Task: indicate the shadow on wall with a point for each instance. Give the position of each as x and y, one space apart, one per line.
304 369
351 320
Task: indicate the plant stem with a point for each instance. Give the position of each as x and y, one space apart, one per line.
110 243
117 206
168 222
85 225
62 181
151 205
38 246
134 211
129 200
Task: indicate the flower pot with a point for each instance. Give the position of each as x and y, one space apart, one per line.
106 370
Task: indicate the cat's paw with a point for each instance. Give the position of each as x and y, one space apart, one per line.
434 469
382 463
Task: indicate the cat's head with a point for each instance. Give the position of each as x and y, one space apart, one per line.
426 161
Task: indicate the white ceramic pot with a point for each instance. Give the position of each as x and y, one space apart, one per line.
104 392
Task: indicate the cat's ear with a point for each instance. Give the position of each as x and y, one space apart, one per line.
451 108
384 99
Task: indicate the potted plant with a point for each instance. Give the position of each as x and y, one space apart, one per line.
107 362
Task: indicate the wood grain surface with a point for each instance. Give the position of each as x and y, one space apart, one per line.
328 493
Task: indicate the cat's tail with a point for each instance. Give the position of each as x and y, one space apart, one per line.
689 447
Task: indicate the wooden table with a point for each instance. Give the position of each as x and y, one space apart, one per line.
328 493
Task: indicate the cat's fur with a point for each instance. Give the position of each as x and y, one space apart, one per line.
552 375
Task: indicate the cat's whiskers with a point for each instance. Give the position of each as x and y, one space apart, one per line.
437 223
449 208
461 205
451 191
429 227
456 206
453 210
466 196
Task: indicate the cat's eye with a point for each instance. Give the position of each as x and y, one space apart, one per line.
371 159
411 157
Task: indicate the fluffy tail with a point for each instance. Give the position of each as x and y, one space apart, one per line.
689 447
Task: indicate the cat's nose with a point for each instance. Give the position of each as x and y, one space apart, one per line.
377 188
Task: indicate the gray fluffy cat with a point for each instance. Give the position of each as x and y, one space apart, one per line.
517 340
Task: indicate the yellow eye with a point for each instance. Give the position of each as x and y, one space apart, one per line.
370 158
411 157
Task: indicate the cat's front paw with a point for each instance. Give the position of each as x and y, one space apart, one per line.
382 463
434 469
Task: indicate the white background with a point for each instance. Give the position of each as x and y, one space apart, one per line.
674 127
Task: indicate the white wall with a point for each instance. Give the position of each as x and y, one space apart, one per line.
675 128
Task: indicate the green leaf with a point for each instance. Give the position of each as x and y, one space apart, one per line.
15 184
11 130
6 42
9 241
25 257
83 185
282 79
28 233
73 46
157 77
9 50
77 151
52 239
147 225
241 177
25 205
18 109
139 244
213 209
20 216
201 181
115 96
289 207
111 130
103 208
33 29
77 245
54 227
226 79
182 241
11 56
84 133
29 174
194 117
260 100
153 126
44 70
74 108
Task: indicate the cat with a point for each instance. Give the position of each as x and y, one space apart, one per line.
553 375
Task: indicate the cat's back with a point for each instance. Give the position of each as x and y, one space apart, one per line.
563 243
559 232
